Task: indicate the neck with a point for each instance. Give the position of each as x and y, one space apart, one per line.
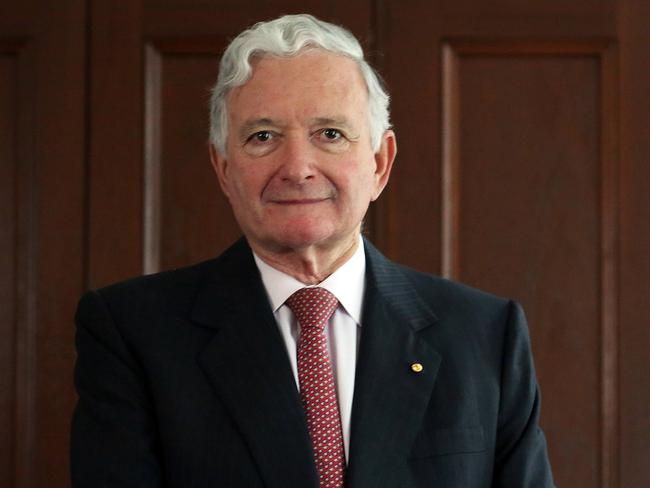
309 265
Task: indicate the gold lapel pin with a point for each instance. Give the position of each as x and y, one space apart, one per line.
417 367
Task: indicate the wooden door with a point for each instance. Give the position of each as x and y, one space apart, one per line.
521 127
522 130
42 212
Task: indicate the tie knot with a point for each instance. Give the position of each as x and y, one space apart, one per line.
312 307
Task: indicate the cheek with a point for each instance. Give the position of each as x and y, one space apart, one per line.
357 190
247 185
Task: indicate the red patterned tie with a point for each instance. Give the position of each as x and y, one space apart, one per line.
313 308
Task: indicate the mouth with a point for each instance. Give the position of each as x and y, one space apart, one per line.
299 201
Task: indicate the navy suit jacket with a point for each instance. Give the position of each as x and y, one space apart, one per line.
184 381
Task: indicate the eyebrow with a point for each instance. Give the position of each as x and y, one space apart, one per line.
335 120
253 124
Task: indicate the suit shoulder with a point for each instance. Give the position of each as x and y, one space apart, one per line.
442 296
435 289
478 310
465 312
160 293
158 281
173 292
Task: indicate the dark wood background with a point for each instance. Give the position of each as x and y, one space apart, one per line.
523 134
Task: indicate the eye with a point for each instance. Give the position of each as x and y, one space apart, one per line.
260 136
332 140
261 142
332 134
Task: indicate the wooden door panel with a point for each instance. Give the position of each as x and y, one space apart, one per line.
525 204
193 218
561 10
115 129
42 132
507 178
8 254
634 238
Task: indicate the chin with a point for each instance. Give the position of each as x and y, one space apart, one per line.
303 240
302 236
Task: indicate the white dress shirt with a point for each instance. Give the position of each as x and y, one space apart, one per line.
347 284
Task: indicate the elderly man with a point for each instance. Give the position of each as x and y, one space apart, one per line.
301 357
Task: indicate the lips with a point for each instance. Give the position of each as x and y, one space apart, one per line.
299 201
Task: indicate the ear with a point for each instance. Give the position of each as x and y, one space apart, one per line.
384 162
220 166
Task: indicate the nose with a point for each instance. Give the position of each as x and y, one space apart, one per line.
298 160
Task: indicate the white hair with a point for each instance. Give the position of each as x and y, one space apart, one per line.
288 36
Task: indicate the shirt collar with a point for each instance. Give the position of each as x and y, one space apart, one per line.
347 283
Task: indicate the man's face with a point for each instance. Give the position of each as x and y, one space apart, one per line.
299 169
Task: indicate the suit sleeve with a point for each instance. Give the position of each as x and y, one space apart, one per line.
521 455
113 436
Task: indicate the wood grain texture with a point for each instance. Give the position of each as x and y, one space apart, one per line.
58 253
610 264
152 161
115 240
44 170
8 252
18 275
195 219
529 94
634 239
25 269
528 223
411 207
500 101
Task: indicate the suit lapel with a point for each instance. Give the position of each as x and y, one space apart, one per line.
389 397
248 366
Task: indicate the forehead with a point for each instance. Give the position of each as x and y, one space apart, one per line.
313 83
